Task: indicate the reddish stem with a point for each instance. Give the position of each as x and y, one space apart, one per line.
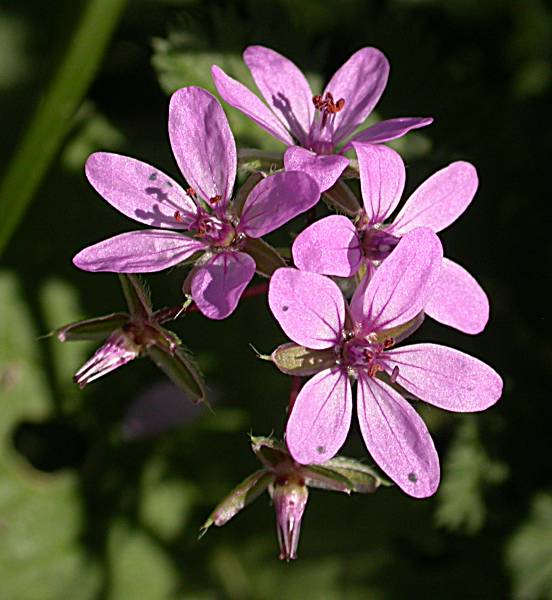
169 314
295 389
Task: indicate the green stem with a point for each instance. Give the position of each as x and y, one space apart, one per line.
53 115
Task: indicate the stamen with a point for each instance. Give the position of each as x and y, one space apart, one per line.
178 216
388 343
191 192
374 369
215 199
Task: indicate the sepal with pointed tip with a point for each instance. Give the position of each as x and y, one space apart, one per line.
267 259
92 330
293 359
287 483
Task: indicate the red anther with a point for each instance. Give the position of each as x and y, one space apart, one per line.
373 370
388 343
318 102
178 216
339 104
215 199
329 97
191 192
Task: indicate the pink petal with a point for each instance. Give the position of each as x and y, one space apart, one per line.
389 129
140 191
202 143
218 284
242 98
325 169
440 200
284 88
360 82
138 252
445 377
397 438
382 177
330 246
309 307
276 200
321 417
399 289
458 300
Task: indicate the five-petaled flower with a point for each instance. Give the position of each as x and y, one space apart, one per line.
335 246
315 126
312 311
205 151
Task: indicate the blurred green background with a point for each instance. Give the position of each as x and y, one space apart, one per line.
96 502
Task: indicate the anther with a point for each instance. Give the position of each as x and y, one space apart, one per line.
191 192
215 199
178 216
388 343
374 369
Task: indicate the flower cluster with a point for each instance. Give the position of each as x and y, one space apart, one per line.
394 268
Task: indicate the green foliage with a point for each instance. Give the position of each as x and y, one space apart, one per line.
529 552
467 471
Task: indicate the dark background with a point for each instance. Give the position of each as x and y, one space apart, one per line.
95 503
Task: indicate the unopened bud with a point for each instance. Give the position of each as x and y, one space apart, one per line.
290 498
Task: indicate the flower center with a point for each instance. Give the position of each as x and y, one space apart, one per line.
321 134
364 353
376 243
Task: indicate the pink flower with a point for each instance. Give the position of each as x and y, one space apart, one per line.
312 311
314 126
205 151
335 246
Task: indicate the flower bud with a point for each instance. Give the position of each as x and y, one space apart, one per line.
290 497
119 349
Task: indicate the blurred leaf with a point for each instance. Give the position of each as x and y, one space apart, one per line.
93 132
180 61
40 515
54 114
467 471
529 552
140 567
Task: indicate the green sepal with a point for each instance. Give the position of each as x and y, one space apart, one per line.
136 295
266 257
340 197
399 333
270 452
252 159
95 329
245 190
365 479
180 370
297 360
242 495
317 476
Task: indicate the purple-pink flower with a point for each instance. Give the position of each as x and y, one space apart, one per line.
312 311
335 246
205 151
315 126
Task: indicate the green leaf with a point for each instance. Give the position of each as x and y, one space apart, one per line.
293 359
54 114
468 469
529 552
242 495
178 366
